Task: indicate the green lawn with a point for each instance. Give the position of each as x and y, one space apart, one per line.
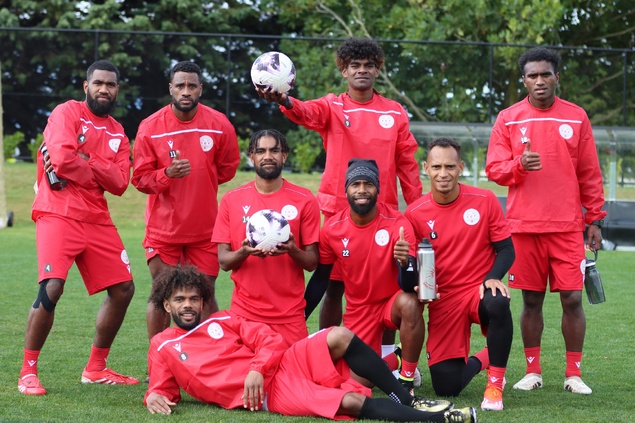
608 362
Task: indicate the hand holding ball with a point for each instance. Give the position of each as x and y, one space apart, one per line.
273 70
266 229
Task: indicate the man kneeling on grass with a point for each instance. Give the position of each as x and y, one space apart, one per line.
230 362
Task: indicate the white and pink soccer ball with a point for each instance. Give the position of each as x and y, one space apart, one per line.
273 70
266 229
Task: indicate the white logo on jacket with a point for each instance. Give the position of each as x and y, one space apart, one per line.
382 237
289 212
114 144
471 216
215 330
206 143
386 121
566 131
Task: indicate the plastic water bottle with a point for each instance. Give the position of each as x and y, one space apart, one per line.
593 282
55 183
425 266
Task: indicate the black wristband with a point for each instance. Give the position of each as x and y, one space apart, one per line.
286 103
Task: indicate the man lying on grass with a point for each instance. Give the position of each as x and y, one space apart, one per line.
232 363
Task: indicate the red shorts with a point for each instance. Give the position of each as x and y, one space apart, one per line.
292 332
449 326
308 383
97 249
369 322
202 254
554 257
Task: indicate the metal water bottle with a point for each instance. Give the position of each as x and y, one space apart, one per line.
425 266
593 282
55 183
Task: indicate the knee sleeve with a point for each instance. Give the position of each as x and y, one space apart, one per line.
448 377
494 308
43 298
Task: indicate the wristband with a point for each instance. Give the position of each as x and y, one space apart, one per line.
286 103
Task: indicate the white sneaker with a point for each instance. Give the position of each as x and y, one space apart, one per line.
575 385
529 382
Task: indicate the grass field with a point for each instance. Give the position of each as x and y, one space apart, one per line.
608 361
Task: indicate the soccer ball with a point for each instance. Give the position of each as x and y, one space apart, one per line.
273 70
266 229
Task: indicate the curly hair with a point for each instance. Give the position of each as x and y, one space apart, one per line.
357 49
539 54
180 277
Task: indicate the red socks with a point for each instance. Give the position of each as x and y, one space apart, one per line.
29 365
392 361
483 357
97 360
495 376
532 355
407 369
574 361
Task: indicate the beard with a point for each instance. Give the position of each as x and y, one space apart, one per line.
269 174
362 209
98 107
182 108
183 325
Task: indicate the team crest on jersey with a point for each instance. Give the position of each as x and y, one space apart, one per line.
114 144
382 237
289 212
566 131
215 331
81 138
206 143
386 121
471 216
524 139
183 356
345 251
347 122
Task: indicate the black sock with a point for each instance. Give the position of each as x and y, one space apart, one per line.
385 409
365 362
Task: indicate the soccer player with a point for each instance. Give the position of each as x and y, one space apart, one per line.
543 149
473 251
236 363
379 291
269 285
357 123
90 153
181 154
